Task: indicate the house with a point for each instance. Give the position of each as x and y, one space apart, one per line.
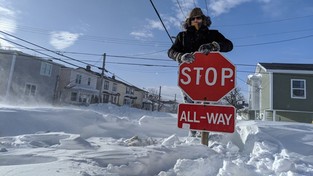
27 79
77 86
121 93
110 89
281 92
82 86
30 79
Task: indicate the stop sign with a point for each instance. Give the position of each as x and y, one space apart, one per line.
209 78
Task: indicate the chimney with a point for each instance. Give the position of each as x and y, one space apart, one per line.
88 68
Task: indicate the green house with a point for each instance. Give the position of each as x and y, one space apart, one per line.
281 92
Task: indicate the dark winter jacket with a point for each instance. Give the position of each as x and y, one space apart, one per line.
190 40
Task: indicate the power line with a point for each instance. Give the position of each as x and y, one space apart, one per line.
141 58
38 52
119 56
180 8
265 22
156 11
142 54
279 41
206 6
57 54
146 65
194 3
275 33
109 40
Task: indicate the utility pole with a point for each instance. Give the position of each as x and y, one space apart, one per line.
10 76
102 79
159 99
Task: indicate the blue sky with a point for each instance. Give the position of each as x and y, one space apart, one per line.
261 30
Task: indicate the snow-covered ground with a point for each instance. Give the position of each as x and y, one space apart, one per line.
111 140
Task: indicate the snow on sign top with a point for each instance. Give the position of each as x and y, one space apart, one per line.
209 78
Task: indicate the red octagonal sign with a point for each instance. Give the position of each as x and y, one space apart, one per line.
209 78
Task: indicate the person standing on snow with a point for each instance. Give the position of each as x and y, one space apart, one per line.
197 37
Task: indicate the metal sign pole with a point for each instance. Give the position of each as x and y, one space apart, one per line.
205 138
204 135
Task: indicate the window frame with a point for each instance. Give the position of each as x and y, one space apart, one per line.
114 87
74 96
89 81
106 85
293 96
46 69
30 89
78 79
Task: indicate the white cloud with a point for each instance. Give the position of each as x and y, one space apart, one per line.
219 7
62 39
142 34
183 8
7 24
169 21
155 24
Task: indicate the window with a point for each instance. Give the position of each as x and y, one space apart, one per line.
89 81
114 88
74 96
298 88
78 79
106 98
129 90
46 69
106 85
128 102
30 90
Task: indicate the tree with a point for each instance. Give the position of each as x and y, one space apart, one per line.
234 98
153 95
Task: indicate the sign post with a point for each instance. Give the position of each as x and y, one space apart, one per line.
208 79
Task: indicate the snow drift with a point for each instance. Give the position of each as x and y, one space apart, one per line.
111 140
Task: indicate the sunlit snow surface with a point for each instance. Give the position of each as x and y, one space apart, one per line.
110 140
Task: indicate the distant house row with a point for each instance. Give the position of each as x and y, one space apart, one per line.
281 92
30 79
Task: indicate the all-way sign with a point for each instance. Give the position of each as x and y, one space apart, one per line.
207 117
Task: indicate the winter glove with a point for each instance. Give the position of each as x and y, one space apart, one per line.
207 48
187 58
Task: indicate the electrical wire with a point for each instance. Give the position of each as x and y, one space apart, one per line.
273 34
39 52
141 58
194 3
272 42
180 8
206 6
156 11
146 65
58 54
264 22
